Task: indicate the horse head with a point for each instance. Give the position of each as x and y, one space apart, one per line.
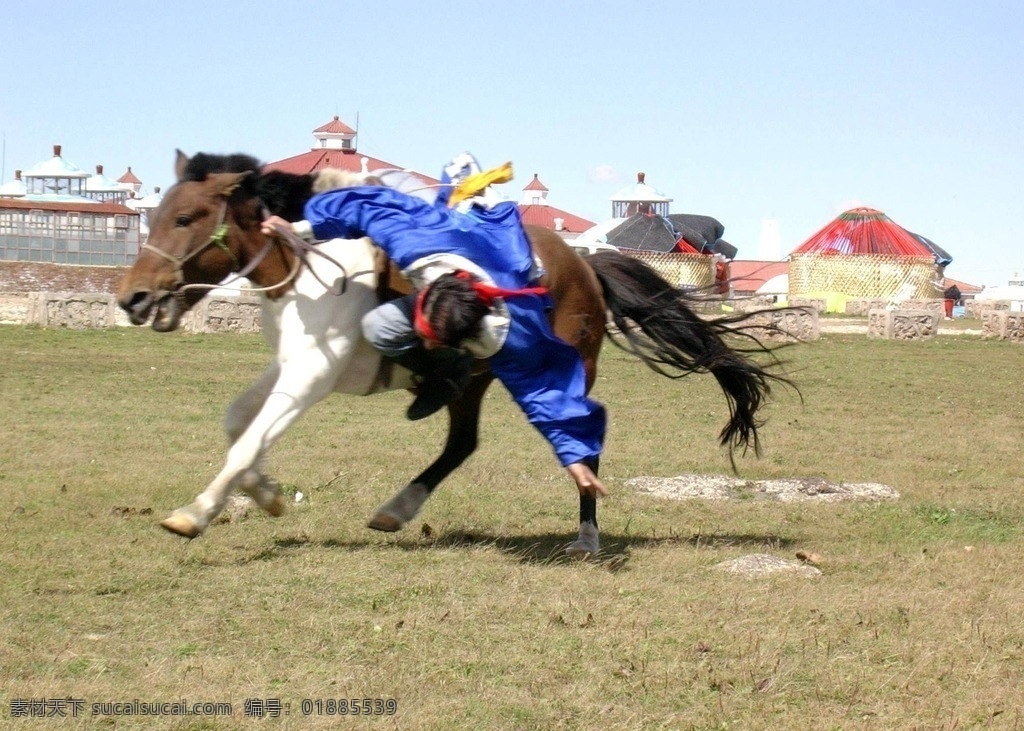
198 235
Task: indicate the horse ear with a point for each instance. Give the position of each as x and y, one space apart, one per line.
180 163
227 183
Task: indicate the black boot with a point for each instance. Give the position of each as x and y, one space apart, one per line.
444 372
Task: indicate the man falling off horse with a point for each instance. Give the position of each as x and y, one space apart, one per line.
476 296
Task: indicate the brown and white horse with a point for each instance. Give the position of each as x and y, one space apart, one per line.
208 227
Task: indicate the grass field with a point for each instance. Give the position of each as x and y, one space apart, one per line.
470 618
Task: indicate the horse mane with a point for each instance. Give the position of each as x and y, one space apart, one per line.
285 194
203 164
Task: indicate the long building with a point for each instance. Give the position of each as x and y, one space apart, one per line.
57 213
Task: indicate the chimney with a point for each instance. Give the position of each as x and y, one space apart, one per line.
640 178
559 224
17 175
156 190
56 150
99 170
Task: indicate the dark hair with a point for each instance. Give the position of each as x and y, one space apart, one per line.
454 309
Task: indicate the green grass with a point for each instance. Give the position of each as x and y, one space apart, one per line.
915 623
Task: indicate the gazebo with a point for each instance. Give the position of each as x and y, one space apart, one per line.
864 253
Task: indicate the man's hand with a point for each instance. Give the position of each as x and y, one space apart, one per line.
586 481
272 223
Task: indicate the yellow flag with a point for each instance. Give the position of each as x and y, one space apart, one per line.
476 183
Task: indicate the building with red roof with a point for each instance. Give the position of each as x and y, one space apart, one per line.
750 276
335 147
536 211
131 180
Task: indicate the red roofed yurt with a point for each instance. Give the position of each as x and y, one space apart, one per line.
863 253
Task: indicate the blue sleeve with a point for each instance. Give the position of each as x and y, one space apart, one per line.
546 378
404 226
409 228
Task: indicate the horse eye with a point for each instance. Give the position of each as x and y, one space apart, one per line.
182 221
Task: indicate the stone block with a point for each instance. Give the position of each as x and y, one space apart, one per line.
903 324
219 314
879 323
1003 325
818 304
786 325
861 306
72 311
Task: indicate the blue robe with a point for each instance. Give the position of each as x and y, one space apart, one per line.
543 373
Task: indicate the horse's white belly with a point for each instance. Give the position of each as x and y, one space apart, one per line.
310 327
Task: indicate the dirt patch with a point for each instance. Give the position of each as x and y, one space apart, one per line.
762 564
721 487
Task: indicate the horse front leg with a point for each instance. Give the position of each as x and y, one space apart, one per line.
265 491
463 434
301 383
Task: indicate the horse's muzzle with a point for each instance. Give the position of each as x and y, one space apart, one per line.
163 306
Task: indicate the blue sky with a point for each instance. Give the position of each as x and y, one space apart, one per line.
746 111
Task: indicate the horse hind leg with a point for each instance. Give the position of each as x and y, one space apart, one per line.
463 433
403 506
588 542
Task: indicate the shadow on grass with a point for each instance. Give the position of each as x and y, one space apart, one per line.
538 549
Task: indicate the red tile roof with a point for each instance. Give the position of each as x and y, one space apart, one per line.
351 160
83 207
535 215
964 287
535 184
748 275
129 177
335 126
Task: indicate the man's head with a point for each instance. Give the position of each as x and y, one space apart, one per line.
450 310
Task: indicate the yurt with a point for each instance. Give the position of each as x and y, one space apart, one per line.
685 249
864 253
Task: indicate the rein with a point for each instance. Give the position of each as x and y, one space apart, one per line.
300 248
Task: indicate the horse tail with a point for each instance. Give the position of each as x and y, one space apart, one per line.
657 322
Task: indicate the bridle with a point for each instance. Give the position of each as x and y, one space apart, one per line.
218 239
220 232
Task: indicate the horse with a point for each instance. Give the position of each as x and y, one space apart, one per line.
208 227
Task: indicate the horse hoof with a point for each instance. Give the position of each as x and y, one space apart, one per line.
265 491
400 509
578 552
276 506
587 543
181 525
385 522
